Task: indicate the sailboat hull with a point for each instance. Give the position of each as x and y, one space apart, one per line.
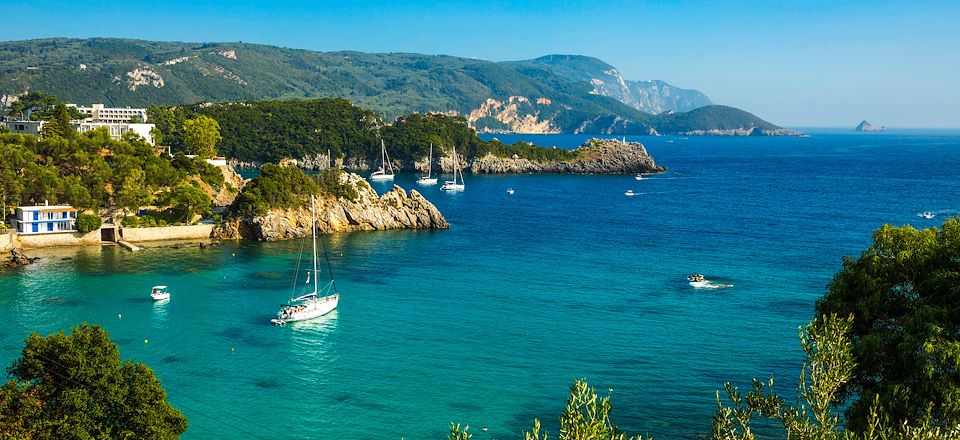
380 176
309 309
450 186
427 181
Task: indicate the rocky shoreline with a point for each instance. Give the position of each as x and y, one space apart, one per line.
595 156
395 209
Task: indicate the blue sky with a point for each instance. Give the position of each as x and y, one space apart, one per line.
814 63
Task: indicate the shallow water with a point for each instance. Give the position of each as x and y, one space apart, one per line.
488 323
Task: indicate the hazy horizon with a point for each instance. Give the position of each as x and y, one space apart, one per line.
815 65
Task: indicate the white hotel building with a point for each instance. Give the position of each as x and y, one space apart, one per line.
116 121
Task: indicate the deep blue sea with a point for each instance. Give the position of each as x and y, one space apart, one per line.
487 323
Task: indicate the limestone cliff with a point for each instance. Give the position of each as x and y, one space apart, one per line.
395 209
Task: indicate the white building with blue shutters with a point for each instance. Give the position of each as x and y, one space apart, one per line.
45 219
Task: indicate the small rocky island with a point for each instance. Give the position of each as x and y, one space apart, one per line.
595 156
367 211
866 126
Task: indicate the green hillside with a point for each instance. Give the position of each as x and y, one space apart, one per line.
714 117
121 72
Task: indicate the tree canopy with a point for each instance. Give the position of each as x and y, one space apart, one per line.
201 135
904 295
92 171
76 386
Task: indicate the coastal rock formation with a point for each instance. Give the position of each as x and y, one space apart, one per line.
17 258
595 156
395 209
866 126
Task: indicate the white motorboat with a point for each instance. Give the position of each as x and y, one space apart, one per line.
629 193
159 293
453 185
386 168
697 281
638 177
509 190
428 179
317 302
928 215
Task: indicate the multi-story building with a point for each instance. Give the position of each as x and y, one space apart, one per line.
112 115
45 219
116 121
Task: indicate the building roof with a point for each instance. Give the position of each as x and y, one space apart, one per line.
46 208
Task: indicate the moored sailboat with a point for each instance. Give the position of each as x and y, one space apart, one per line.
453 185
428 179
317 303
386 168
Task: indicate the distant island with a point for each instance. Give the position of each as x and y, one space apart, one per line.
551 94
866 126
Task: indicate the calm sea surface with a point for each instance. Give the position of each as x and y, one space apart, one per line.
489 322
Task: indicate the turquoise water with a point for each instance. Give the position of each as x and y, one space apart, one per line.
487 323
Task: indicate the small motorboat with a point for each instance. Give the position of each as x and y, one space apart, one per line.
638 177
509 190
697 281
928 215
629 193
159 293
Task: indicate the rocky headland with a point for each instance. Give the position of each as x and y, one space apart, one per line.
395 209
595 156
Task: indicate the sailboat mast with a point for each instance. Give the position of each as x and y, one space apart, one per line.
313 224
430 161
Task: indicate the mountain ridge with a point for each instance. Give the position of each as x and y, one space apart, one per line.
520 96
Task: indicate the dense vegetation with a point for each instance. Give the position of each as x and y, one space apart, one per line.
718 117
269 131
904 295
288 187
86 71
76 387
92 171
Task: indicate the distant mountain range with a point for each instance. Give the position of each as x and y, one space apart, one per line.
550 94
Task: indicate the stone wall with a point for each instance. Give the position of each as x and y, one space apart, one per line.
33 241
191 232
7 240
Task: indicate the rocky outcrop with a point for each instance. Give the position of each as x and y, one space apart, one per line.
17 258
595 156
395 209
233 183
866 126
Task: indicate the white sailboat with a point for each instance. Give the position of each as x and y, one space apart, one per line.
452 185
385 165
428 179
317 303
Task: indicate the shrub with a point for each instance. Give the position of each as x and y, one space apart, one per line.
88 222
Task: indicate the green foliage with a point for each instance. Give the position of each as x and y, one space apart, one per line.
710 117
459 434
586 417
75 386
148 220
903 295
87 223
268 131
91 170
59 124
275 187
331 182
185 202
200 136
829 365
